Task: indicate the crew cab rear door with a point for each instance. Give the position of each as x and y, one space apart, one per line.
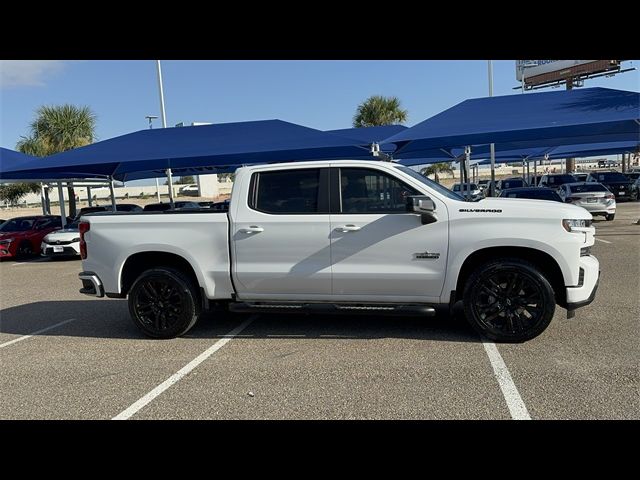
379 252
280 236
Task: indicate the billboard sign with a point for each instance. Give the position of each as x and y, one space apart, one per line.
539 67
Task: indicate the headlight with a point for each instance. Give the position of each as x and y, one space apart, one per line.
570 224
77 239
6 241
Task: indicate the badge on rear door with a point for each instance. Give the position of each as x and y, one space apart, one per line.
426 255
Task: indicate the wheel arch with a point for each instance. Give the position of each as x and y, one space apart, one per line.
542 260
137 263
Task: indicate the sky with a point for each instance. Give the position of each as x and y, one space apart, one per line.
314 93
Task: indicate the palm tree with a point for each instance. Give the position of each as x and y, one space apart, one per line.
378 110
435 168
58 128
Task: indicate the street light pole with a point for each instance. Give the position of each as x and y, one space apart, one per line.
164 125
151 118
492 188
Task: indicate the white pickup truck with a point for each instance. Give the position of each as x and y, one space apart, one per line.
345 237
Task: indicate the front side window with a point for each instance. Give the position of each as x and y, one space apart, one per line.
286 191
365 190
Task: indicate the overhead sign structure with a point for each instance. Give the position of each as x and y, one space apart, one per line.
538 73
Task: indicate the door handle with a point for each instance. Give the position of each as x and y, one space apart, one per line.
349 228
252 229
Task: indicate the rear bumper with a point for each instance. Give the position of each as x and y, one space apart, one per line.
91 284
584 293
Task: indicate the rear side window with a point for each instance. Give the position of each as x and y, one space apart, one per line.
371 191
286 191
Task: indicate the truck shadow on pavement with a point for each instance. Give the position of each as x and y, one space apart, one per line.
110 319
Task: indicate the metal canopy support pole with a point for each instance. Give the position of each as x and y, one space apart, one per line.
467 162
164 125
89 196
535 171
113 195
42 200
63 215
492 188
170 183
528 173
47 202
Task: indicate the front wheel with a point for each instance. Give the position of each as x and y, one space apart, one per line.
508 300
610 216
25 250
164 303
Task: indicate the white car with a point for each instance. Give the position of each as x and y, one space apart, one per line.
471 191
592 196
62 243
189 190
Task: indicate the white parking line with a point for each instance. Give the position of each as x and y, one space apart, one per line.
517 408
603 241
176 377
24 337
37 260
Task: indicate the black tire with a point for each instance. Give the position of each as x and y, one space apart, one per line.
499 312
164 303
610 217
25 249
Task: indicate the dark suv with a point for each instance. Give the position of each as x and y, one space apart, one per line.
556 180
617 183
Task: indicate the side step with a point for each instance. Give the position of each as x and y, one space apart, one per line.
333 308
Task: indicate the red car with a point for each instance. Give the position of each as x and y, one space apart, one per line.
22 236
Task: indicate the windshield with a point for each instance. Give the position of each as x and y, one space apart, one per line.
472 186
18 225
430 183
72 226
560 179
588 187
611 177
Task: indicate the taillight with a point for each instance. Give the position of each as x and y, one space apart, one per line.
83 227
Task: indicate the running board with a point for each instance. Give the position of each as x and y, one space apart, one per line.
333 308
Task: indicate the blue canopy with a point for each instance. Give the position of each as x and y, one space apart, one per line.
221 145
362 135
590 115
10 159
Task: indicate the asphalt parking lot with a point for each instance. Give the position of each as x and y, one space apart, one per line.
67 356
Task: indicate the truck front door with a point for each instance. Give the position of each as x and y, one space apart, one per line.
379 252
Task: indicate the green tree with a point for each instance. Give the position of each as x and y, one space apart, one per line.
378 110
58 128
436 168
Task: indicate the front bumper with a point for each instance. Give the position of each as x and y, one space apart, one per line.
71 249
584 293
91 284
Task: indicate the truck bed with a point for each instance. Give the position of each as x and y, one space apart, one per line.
199 236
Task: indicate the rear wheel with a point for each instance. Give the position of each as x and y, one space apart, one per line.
164 303
508 300
610 216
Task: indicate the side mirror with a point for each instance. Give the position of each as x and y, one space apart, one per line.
424 206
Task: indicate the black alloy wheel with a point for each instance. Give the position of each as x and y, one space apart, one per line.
509 301
164 303
25 249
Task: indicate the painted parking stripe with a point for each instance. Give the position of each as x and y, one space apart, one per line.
24 337
517 408
176 377
603 241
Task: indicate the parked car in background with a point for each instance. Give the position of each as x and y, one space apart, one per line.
22 236
2 221
221 206
635 189
593 197
513 182
580 177
191 190
555 180
205 204
471 191
161 207
616 182
483 185
534 193
534 180
62 243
